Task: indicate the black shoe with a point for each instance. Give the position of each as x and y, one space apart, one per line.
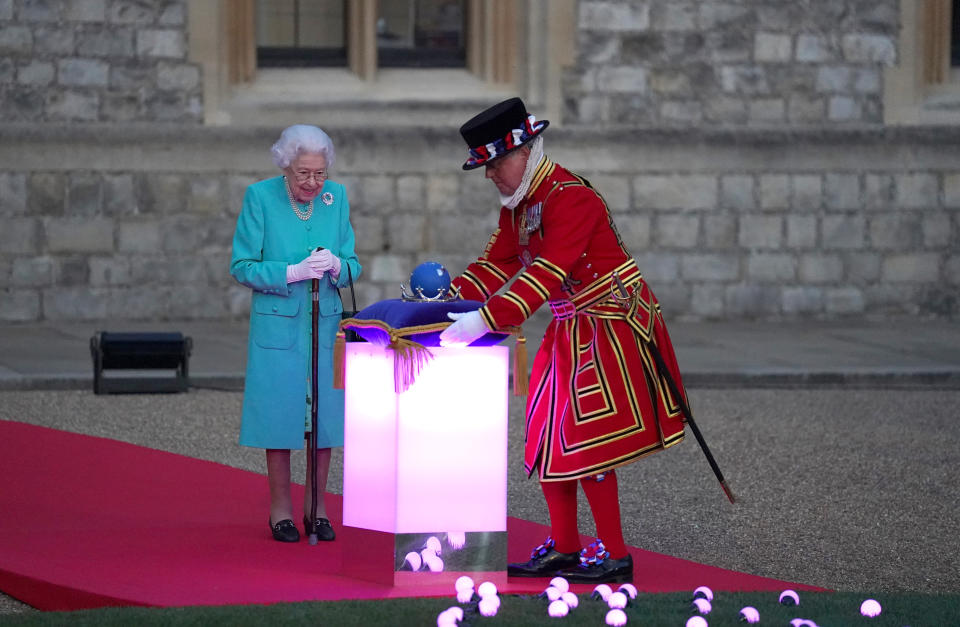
601 571
545 561
284 531
321 527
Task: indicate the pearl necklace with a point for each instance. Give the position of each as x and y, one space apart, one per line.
303 215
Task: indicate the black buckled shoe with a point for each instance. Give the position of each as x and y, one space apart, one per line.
321 527
545 561
284 531
607 570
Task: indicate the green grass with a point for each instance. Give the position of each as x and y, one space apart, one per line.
826 609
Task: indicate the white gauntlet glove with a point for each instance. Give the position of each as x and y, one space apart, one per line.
309 268
329 263
467 327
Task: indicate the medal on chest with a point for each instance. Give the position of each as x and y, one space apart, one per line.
529 222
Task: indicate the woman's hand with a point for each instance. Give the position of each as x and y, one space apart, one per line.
312 267
329 262
467 327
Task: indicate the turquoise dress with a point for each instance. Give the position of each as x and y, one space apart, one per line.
268 237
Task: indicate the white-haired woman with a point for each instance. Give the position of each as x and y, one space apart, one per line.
293 228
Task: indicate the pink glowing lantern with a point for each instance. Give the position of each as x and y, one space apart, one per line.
616 618
789 597
433 544
870 608
697 621
465 595
456 539
703 592
435 564
802 622
413 561
558 609
450 616
489 606
487 588
702 606
560 584
617 600
570 599
602 591
463 583
629 589
407 456
552 593
750 614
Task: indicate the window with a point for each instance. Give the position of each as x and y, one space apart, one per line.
301 33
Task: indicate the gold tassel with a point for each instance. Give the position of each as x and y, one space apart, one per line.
409 357
339 356
520 377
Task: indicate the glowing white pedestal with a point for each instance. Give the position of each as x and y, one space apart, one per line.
427 461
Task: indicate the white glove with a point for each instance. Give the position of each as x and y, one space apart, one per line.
329 262
466 328
309 268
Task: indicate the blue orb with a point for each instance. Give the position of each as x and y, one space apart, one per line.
430 278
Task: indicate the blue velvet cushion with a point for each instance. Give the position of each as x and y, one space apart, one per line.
418 321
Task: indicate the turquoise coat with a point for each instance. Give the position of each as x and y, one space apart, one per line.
269 236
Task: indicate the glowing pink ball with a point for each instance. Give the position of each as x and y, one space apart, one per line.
704 592
558 609
414 560
602 591
552 593
750 614
570 599
488 606
697 621
629 589
450 616
560 584
435 564
789 597
426 554
802 622
465 595
456 539
433 543
617 600
870 608
616 618
463 583
702 605
487 588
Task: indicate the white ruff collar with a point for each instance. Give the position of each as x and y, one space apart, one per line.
533 160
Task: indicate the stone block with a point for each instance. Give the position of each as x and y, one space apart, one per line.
131 12
720 231
119 198
634 229
896 231
843 109
951 270
73 106
842 232
172 15
452 234
6 9
737 192
442 193
674 299
833 79
772 47
206 195
686 112
161 43
673 16
177 76
71 270
774 191
675 191
78 72
392 269
84 194
668 82
868 48
916 191
15 40
7 70
411 193
368 231
183 233
20 236
951 190
659 267
614 16
31 272
615 190
862 267
752 300
819 268
379 193
867 81
53 40
725 109
19 305
406 232
844 300
86 11
144 303
878 191
75 303
710 267
937 230
806 108
676 230
36 73
802 231
139 237
106 42
802 300
767 110
842 191
707 300
163 193
622 79
106 271
46 193
807 192
911 267
761 231
13 193
812 49
80 235
237 185
744 79
771 267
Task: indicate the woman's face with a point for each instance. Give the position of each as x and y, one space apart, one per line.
507 172
305 175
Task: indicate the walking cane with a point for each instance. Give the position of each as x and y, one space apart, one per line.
314 323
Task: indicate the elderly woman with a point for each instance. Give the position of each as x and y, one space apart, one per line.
291 229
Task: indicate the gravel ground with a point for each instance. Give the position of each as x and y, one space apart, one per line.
848 489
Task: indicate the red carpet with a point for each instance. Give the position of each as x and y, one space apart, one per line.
90 522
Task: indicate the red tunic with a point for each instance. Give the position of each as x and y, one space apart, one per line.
597 399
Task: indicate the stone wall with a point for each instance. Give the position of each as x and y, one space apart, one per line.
731 62
96 61
724 224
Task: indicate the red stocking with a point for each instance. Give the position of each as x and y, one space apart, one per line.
605 505
562 502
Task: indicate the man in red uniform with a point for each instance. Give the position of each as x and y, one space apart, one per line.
603 384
